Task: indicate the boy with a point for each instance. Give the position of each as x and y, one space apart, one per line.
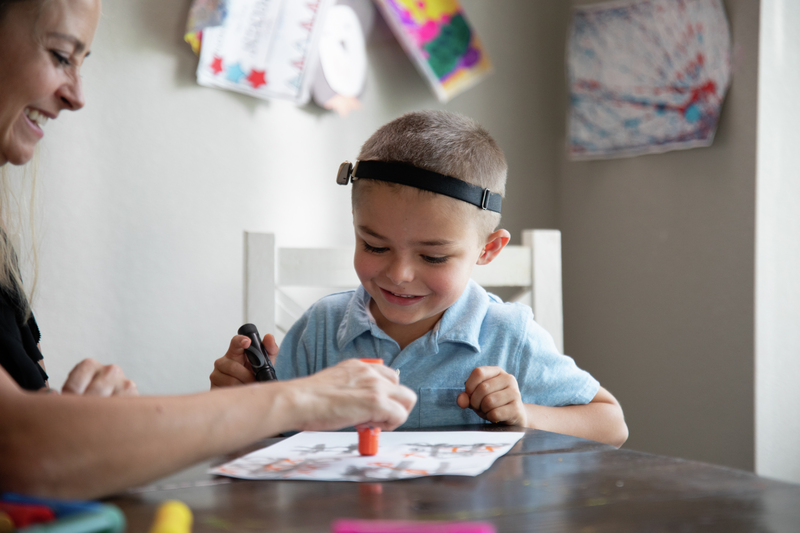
426 198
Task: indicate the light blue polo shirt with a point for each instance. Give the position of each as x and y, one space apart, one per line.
478 330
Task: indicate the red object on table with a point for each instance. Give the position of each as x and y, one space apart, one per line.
24 514
369 438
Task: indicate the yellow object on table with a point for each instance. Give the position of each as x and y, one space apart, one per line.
173 516
6 525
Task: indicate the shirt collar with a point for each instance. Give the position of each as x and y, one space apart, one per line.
356 318
461 322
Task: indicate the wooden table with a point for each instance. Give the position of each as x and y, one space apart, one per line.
547 482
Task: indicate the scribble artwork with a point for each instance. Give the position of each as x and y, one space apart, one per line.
263 48
646 76
440 41
333 456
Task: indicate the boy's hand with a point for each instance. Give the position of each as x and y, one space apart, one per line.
494 395
233 368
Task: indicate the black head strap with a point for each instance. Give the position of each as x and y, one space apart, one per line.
405 174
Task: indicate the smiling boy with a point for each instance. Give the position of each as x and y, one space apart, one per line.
426 198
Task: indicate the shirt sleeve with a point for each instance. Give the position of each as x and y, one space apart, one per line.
547 377
294 359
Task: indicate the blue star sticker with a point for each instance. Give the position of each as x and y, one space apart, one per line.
235 73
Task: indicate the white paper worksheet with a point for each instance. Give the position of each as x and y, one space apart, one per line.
333 456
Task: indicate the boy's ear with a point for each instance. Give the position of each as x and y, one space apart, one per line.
494 244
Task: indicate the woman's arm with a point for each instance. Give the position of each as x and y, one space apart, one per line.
85 447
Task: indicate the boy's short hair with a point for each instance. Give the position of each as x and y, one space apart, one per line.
443 142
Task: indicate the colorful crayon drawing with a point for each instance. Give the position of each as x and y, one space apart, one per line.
333 456
646 76
263 48
441 43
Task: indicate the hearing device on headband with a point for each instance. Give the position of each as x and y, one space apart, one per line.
405 174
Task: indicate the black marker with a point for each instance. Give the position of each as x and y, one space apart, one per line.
257 355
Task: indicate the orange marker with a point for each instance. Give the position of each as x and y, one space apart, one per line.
368 438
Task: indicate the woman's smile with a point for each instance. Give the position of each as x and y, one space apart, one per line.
36 120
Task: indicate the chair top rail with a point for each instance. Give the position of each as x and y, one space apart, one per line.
333 267
316 267
512 268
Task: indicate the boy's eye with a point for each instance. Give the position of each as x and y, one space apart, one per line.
60 58
434 260
373 249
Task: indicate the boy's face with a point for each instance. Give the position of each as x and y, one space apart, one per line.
414 255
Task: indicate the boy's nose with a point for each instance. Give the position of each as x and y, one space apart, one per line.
399 272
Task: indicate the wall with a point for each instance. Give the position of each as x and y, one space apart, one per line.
658 258
145 192
778 243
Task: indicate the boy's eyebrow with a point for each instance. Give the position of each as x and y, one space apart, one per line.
371 232
79 45
439 242
435 242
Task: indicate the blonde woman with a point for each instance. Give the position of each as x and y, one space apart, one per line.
98 436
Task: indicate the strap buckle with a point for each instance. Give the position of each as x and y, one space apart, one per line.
485 199
344 173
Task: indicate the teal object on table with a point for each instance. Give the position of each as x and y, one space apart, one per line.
105 518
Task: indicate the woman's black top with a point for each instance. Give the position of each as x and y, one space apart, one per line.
19 353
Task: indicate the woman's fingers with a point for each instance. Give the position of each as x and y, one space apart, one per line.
353 393
92 378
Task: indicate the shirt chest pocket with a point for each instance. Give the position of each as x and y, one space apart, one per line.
438 407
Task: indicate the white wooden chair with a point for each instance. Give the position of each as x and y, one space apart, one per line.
274 278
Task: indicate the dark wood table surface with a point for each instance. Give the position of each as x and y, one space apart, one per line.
546 483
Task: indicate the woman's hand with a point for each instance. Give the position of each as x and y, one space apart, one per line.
233 368
349 394
95 379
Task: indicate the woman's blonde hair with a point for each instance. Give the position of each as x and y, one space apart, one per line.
18 233
13 228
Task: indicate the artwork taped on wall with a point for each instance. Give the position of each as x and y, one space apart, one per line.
440 41
264 48
646 76
333 456
203 14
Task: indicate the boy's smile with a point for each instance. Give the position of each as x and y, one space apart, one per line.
415 252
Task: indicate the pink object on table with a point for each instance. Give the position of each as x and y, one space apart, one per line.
345 525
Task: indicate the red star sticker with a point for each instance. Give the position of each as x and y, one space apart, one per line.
216 65
257 78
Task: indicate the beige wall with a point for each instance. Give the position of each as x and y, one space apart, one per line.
146 191
659 278
145 194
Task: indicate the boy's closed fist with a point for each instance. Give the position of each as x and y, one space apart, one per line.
233 368
494 395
